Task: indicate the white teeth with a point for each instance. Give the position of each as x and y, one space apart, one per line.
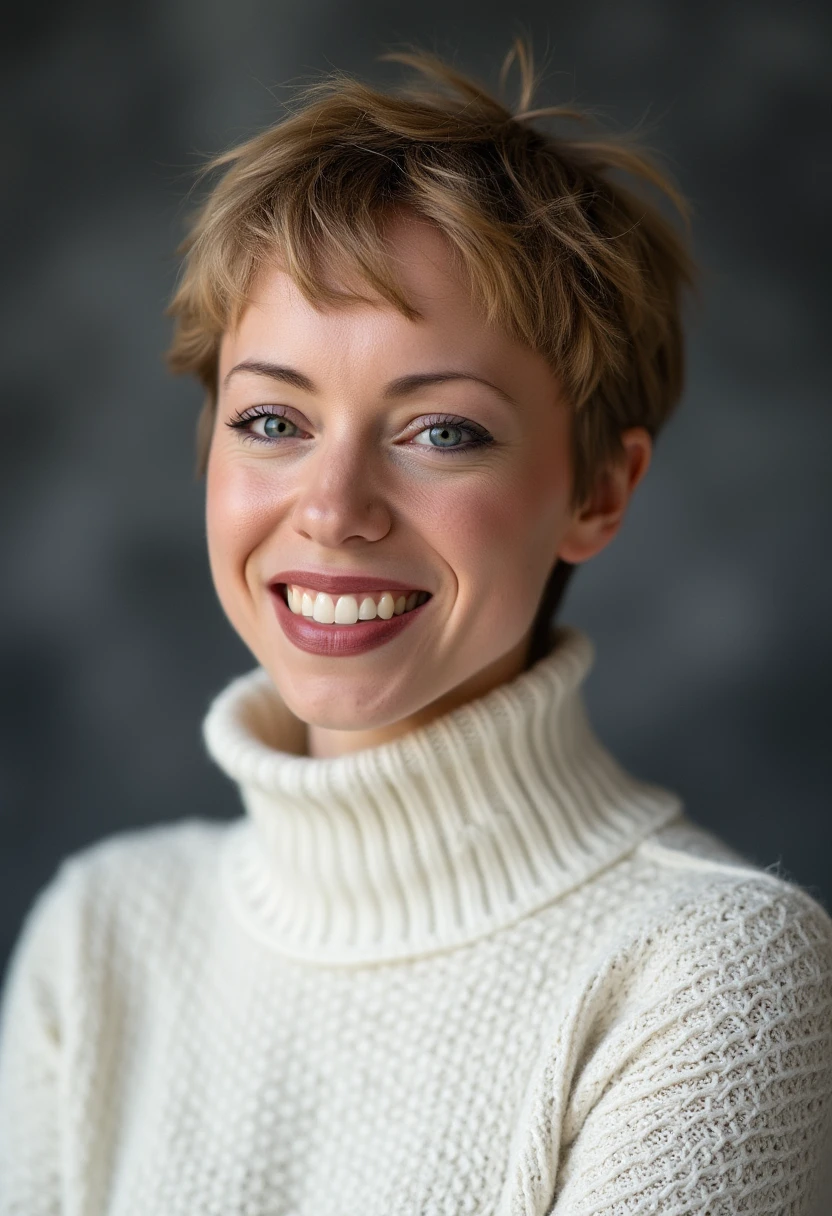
346 610
324 611
386 607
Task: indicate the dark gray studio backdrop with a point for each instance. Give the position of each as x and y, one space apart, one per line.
710 612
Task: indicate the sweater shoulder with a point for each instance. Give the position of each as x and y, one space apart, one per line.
687 844
685 900
700 1036
152 873
729 917
130 881
706 880
718 914
163 850
726 952
684 861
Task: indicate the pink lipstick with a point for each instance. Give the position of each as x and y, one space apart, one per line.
340 640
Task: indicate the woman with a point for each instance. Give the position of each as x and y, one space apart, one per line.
453 958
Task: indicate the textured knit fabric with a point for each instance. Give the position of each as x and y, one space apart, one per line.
480 969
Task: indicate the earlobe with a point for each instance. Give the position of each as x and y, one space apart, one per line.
596 522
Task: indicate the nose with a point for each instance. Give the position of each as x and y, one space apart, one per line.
340 499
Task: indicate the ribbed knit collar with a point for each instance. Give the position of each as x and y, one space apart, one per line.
437 838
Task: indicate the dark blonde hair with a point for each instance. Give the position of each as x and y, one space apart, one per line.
557 250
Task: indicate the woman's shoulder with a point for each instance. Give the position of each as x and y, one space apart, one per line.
179 845
107 946
691 858
131 882
703 1037
718 913
145 861
725 972
685 904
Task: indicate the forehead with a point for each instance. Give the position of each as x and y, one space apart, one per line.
375 337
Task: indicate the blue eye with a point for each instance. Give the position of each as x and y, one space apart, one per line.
445 436
451 435
275 427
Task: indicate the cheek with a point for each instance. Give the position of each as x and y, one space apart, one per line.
242 504
500 536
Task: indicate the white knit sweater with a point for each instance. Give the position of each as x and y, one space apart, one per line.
480 969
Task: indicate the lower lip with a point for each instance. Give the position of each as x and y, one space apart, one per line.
336 641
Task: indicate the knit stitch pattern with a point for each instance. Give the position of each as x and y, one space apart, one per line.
657 1037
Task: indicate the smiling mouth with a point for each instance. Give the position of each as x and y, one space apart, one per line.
349 609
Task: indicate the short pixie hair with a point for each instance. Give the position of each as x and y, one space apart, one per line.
557 251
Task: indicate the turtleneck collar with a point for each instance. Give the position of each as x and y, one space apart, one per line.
434 839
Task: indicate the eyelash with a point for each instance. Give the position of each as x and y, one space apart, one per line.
240 422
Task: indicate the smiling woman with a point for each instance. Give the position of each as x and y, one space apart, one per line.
429 452
453 958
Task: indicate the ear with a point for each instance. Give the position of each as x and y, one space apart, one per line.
597 520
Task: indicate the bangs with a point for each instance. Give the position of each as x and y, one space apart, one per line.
555 250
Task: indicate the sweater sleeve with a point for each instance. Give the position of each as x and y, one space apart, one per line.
707 1089
30 1057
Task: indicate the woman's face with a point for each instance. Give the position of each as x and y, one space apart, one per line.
354 442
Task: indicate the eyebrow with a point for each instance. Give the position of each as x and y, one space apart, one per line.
403 386
406 385
275 371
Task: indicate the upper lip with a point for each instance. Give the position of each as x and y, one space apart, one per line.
340 584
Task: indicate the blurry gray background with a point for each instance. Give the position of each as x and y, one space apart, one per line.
710 612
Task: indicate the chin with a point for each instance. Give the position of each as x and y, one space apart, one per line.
340 703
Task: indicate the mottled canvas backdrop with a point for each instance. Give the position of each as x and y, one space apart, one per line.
710 612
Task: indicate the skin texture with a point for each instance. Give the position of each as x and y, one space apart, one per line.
355 486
